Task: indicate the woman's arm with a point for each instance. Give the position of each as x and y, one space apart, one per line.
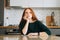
44 28
24 30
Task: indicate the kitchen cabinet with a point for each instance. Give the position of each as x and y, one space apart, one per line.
1 12
35 3
51 3
55 31
27 3
9 30
2 31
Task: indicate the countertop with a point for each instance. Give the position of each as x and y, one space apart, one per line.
54 27
16 27
21 37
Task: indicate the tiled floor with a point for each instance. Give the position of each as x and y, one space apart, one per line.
21 37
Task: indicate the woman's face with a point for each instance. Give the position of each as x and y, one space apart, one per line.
28 13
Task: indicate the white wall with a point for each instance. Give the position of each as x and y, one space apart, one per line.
14 15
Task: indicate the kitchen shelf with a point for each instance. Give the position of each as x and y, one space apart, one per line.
54 27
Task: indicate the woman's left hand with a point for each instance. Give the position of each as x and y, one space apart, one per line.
44 35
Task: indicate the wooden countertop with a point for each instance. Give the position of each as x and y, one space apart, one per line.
54 27
16 27
12 27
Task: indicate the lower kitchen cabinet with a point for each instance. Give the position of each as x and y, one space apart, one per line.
9 31
55 31
2 31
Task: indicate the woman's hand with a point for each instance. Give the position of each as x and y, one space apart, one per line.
44 35
25 29
27 18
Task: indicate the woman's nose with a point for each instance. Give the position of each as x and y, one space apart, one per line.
29 13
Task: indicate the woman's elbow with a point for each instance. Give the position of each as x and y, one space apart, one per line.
24 33
48 32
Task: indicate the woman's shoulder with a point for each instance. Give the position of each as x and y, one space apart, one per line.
38 21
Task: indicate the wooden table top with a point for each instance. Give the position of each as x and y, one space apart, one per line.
19 37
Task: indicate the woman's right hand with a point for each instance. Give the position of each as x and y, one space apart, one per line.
26 18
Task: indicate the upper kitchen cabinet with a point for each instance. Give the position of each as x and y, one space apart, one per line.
27 3
51 3
35 3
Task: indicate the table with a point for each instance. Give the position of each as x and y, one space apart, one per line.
24 37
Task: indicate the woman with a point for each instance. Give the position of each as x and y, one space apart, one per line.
30 24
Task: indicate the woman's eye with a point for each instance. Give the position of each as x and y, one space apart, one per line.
26 12
30 12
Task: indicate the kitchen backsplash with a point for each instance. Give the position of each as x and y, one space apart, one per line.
13 16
